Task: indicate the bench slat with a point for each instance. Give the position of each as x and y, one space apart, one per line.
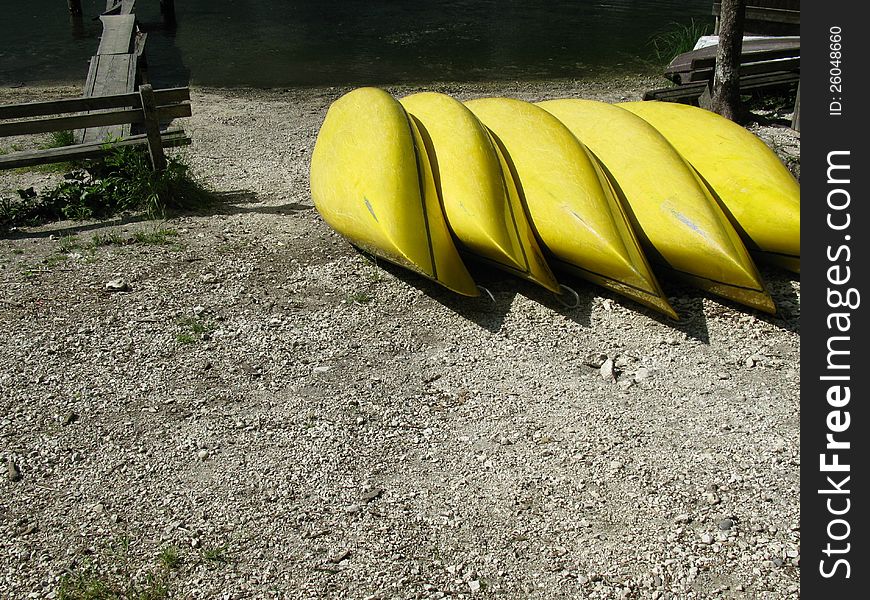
73 105
170 138
762 13
692 91
92 120
756 68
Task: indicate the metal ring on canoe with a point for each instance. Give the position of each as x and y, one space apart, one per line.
563 300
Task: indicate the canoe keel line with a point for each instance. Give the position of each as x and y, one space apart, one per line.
614 194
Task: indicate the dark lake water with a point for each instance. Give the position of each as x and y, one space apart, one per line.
275 43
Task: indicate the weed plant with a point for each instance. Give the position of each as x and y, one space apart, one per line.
678 38
122 182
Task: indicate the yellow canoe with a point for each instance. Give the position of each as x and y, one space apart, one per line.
572 208
371 181
681 224
754 188
483 209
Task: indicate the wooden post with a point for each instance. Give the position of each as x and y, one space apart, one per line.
796 118
726 79
75 7
152 127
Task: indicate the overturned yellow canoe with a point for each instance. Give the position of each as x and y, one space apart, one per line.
682 226
754 188
372 182
572 208
482 207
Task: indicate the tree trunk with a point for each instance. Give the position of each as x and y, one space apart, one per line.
726 80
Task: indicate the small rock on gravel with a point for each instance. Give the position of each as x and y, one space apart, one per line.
606 371
13 471
117 285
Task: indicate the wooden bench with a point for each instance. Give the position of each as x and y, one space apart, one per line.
768 17
690 93
758 56
145 108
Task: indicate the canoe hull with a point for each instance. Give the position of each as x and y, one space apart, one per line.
753 187
371 181
573 210
683 229
482 208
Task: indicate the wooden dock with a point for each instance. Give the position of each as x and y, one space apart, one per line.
114 68
118 104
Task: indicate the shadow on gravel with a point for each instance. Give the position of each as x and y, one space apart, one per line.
788 303
237 202
68 228
481 310
581 313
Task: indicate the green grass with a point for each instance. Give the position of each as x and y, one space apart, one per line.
156 237
112 238
84 587
58 139
359 297
193 324
191 330
678 38
215 555
185 338
108 576
169 558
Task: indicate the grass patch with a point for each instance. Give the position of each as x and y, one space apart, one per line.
156 237
185 338
191 330
58 139
359 298
169 558
678 38
215 555
109 576
113 238
122 182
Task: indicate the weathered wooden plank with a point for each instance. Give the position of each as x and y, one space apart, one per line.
750 57
152 128
756 68
108 75
683 62
761 13
74 105
118 34
115 74
796 117
94 121
171 138
120 7
691 91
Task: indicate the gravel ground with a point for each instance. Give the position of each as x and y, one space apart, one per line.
261 412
